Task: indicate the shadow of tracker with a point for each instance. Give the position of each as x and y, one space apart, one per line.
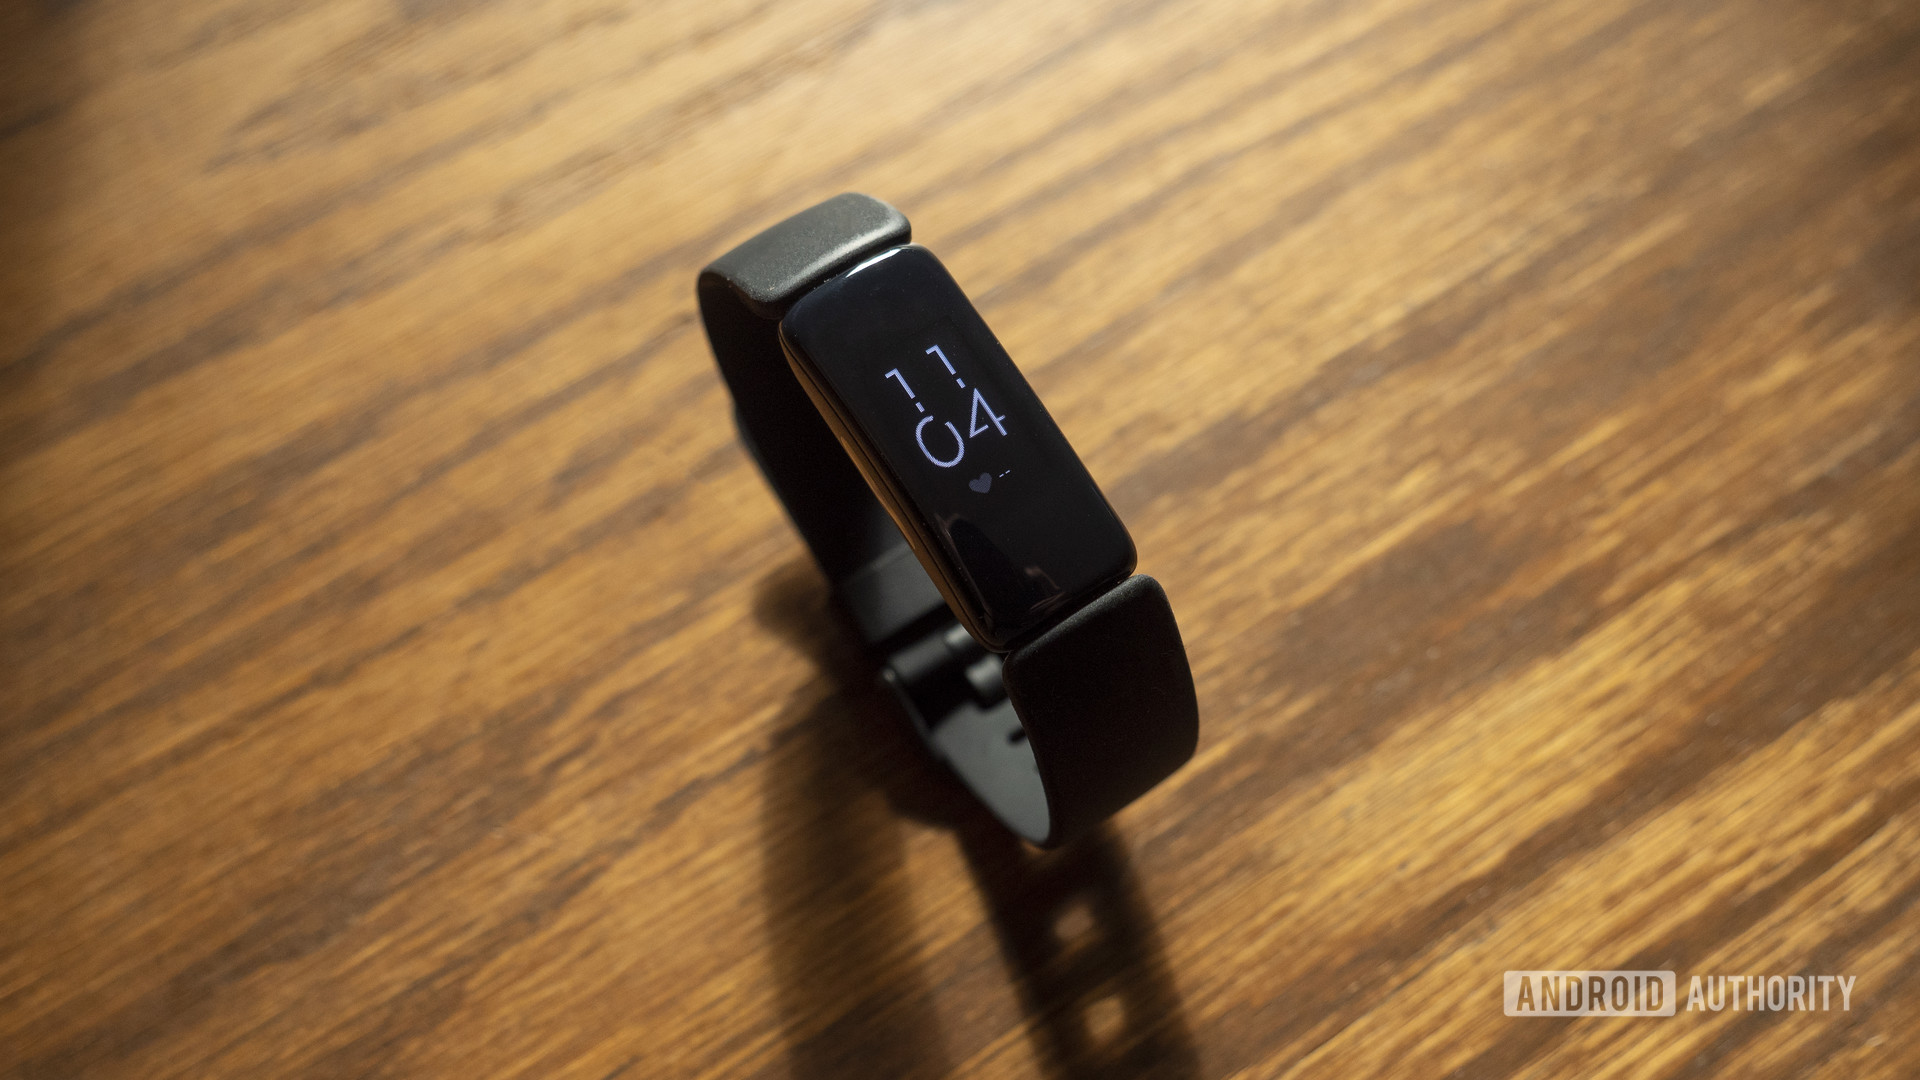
1072 926
1085 952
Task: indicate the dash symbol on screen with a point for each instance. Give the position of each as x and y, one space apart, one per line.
981 483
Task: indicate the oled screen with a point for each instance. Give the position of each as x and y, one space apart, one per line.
941 411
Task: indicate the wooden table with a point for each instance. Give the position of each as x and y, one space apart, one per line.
407 673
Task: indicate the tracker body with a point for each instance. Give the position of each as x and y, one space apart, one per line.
974 553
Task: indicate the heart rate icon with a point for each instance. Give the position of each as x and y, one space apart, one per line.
981 483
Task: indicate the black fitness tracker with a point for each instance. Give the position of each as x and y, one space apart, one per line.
974 553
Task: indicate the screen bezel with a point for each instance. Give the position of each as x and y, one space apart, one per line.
891 491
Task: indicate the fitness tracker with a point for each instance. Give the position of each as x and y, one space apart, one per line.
976 556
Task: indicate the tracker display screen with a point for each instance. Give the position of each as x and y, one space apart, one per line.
925 391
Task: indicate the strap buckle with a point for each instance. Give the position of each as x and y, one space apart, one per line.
941 674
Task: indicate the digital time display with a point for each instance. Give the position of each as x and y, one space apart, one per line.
955 442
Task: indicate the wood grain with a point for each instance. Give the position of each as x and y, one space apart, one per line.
407 673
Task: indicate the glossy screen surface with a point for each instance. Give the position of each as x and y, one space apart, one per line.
925 391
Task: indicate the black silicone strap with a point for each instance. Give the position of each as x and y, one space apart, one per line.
743 294
1070 726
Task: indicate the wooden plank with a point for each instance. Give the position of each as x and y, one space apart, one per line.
407 673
